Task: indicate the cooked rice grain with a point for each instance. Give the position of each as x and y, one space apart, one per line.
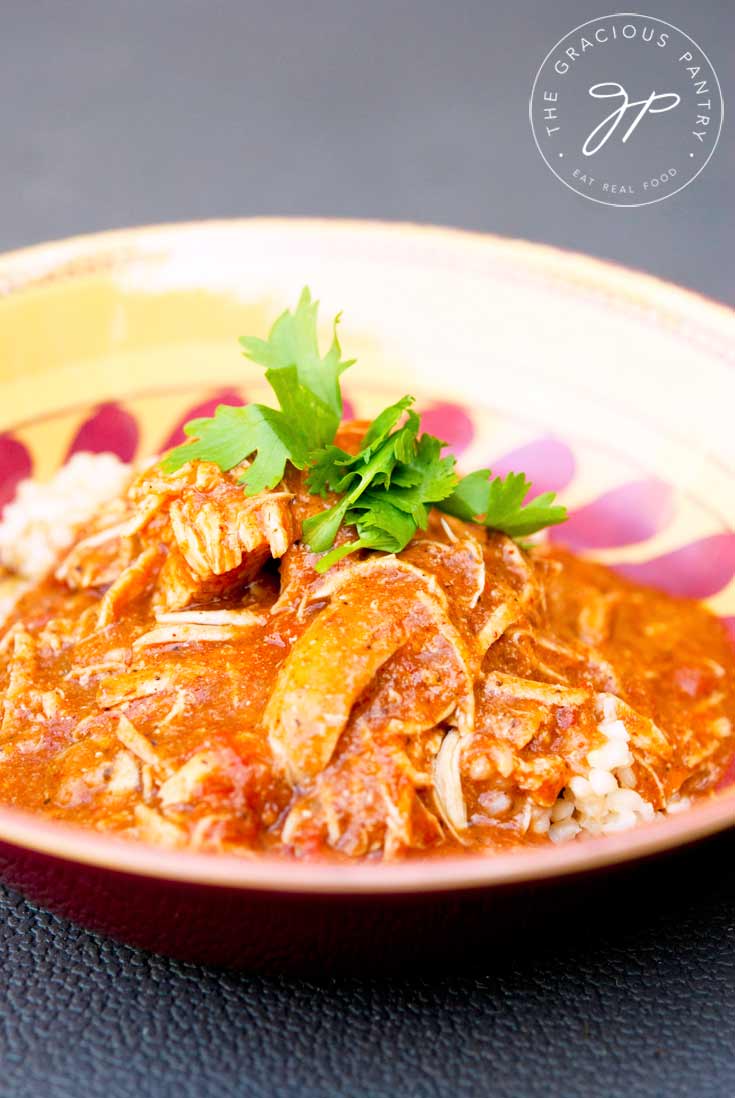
603 800
42 518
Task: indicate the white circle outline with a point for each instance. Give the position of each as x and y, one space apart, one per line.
663 197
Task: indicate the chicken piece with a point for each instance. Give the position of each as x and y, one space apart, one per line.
179 587
457 563
127 686
131 583
376 605
338 655
510 592
215 538
107 545
98 560
217 530
92 767
529 738
219 768
369 802
21 700
152 827
136 743
651 753
221 540
387 746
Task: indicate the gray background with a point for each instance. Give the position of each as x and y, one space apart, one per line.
120 113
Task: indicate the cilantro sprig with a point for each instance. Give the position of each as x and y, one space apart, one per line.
386 489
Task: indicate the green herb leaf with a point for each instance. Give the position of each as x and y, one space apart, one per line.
373 465
306 385
329 471
319 531
389 484
379 524
233 434
383 424
426 479
499 504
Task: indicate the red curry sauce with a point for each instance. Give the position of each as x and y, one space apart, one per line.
185 677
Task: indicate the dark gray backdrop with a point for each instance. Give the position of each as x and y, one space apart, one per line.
116 113
133 111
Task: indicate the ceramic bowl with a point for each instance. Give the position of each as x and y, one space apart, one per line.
610 387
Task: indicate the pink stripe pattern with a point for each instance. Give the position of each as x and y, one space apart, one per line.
200 411
629 514
109 428
547 462
15 465
449 422
697 570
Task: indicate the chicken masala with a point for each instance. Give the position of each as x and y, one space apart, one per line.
321 642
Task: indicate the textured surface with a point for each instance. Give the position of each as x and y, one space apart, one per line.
616 1003
138 112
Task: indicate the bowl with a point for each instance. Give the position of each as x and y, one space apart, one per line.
606 385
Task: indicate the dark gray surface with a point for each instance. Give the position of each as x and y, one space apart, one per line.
117 113
636 1001
122 113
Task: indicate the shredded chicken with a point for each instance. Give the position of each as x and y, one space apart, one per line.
309 707
184 676
448 783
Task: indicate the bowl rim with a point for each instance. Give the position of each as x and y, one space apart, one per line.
68 257
40 264
438 874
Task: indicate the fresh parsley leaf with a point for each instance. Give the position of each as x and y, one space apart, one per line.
319 531
233 434
389 484
383 424
380 525
470 496
333 469
308 391
306 385
499 504
329 471
276 442
534 516
426 479
373 465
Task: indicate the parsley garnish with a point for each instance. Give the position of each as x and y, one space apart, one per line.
307 386
386 486
499 504
234 434
386 489
308 392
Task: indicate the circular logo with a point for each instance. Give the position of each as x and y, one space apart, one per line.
626 110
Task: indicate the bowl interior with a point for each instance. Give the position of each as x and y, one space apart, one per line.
600 384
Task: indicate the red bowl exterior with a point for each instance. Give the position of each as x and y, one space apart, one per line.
471 930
